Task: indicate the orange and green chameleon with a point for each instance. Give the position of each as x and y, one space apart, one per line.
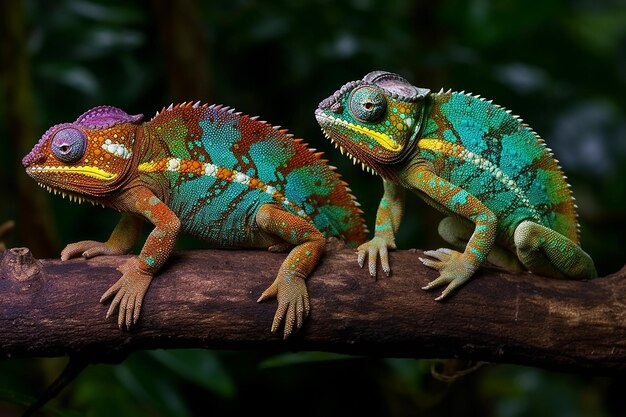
208 171
506 198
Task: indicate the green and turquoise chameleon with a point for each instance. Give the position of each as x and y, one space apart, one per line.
208 171
505 195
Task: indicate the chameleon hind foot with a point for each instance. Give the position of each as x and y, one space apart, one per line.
128 293
547 252
293 302
454 270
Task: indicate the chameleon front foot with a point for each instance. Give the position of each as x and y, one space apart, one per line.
453 267
128 293
372 250
90 248
293 303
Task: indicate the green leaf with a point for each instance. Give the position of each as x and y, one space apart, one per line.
199 366
159 392
287 359
16 398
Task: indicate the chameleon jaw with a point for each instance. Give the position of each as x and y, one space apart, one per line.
88 171
354 159
72 197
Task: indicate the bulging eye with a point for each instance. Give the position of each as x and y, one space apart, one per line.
367 103
69 145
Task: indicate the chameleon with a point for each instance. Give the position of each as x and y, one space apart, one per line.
504 195
205 170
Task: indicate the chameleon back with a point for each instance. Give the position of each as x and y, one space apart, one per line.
221 166
517 176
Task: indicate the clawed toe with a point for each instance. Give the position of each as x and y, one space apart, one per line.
442 257
453 283
431 264
441 254
437 283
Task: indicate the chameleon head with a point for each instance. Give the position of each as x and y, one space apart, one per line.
87 158
375 119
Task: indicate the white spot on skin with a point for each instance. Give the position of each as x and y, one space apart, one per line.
116 149
210 170
242 178
173 164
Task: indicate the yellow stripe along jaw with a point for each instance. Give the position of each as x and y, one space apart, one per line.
88 171
383 140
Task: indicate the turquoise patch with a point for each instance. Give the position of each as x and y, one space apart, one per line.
218 140
460 198
305 181
267 155
448 135
516 154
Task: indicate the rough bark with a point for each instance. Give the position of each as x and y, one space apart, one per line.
207 298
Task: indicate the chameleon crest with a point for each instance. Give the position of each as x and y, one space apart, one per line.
507 198
221 176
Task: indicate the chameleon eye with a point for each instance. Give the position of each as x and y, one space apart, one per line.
69 145
367 103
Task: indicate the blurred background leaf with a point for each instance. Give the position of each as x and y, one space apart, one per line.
560 64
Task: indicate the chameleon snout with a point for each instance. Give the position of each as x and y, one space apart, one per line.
331 103
33 159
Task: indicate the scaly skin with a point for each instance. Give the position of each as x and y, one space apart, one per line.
204 170
507 197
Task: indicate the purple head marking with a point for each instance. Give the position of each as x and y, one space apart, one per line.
100 117
103 117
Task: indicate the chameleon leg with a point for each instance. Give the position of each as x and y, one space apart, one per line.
547 252
455 268
120 242
289 287
457 232
388 216
128 292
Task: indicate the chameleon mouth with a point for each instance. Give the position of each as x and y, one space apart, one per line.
92 172
325 124
383 140
70 196
354 159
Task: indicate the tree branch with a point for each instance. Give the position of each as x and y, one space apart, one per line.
207 298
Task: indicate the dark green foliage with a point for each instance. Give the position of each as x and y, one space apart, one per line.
560 64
